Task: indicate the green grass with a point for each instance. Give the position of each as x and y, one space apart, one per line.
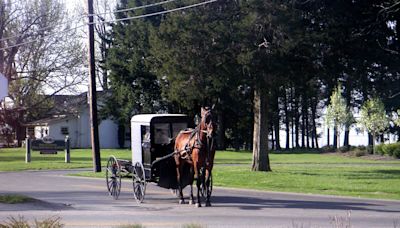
14 159
13 199
313 173
291 172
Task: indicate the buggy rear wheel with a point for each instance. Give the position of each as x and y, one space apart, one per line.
113 177
139 181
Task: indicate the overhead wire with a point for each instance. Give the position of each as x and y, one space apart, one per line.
82 16
117 20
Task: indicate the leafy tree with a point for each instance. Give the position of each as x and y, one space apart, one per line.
397 119
338 115
373 117
38 59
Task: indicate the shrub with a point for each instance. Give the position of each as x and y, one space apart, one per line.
344 149
363 148
328 149
389 149
396 150
379 149
21 222
358 153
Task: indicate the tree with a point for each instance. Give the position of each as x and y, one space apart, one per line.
373 118
133 87
40 54
338 115
397 119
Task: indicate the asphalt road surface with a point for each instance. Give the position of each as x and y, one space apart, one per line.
84 202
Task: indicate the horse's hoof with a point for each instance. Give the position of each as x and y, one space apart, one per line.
181 201
191 202
208 204
198 205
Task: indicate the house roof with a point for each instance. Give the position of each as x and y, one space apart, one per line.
146 118
47 121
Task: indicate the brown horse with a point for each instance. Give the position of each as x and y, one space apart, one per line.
196 147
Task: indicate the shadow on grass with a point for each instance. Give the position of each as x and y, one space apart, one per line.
390 172
381 174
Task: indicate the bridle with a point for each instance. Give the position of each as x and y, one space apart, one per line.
186 154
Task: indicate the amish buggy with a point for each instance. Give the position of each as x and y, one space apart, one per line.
166 152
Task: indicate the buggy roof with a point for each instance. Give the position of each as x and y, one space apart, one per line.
146 118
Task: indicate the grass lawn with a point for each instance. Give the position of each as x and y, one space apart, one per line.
14 159
292 172
12 199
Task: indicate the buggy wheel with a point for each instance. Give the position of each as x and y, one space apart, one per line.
113 177
139 182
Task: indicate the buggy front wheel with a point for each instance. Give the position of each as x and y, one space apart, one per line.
139 182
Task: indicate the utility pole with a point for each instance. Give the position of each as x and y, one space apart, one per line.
94 130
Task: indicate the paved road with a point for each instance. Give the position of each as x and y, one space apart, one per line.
84 202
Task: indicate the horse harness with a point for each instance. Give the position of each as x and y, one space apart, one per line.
186 154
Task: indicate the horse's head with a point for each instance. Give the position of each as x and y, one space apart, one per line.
208 125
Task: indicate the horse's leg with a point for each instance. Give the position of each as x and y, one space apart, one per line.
178 176
191 201
198 183
208 188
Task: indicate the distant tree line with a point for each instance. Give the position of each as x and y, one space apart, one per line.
284 57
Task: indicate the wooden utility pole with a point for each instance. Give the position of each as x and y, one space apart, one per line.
94 130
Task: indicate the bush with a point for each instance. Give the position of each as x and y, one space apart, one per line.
389 149
363 148
328 149
358 153
344 149
20 221
379 149
396 152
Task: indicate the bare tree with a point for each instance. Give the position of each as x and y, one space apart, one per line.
40 54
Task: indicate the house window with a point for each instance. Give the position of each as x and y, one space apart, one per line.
64 131
31 131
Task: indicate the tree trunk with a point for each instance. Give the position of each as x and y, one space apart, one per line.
307 132
328 137
346 136
335 144
296 121
303 121
276 120
260 132
370 143
347 96
373 144
287 121
314 125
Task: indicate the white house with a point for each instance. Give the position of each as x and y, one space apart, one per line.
72 119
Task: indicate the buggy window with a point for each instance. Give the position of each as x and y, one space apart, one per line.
161 133
177 127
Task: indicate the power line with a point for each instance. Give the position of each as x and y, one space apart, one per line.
137 7
96 14
162 12
116 20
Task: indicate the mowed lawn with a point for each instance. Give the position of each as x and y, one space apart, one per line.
291 172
